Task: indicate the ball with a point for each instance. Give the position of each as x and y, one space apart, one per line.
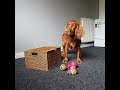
74 72
69 72
63 67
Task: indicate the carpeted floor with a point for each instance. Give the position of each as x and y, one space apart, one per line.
91 74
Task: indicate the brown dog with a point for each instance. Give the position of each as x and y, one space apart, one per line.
71 38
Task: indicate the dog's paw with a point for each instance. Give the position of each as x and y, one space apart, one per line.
65 61
79 61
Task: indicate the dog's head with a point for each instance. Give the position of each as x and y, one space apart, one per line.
73 27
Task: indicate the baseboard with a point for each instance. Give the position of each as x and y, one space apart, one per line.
86 45
21 54
83 45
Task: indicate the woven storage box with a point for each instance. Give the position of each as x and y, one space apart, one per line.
43 58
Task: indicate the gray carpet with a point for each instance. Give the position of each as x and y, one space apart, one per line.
91 74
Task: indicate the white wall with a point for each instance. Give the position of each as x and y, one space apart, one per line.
101 9
93 9
42 22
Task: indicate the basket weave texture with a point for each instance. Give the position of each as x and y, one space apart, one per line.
43 58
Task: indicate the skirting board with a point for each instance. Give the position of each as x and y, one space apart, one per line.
21 54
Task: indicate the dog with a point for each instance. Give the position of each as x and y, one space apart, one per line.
71 39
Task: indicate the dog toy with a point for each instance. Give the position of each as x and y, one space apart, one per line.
63 67
72 68
73 63
72 72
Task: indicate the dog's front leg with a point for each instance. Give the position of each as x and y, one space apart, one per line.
78 55
65 54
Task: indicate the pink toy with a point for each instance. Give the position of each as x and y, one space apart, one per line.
73 63
69 65
72 67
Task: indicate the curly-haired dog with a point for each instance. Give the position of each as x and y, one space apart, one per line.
71 38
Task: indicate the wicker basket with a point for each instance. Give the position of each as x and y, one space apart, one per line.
43 58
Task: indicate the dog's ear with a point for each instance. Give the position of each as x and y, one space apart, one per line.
66 27
67 24
79 32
